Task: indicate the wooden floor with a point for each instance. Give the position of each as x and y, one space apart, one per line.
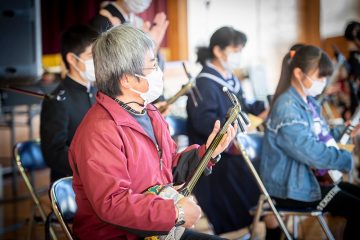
15 215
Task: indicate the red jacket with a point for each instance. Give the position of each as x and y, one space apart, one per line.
114 162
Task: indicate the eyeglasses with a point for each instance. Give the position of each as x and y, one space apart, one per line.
155 67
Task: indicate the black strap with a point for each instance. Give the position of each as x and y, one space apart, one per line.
115 12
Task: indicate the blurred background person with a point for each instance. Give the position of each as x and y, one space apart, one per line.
298 147
352 35
227 195
61 115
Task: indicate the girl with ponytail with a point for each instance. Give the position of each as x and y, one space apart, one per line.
298 145
231 186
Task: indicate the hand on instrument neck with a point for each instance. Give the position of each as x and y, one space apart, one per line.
225 141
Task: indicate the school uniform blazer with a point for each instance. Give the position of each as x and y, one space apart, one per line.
60 116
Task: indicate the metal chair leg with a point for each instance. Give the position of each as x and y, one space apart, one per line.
325 227
31 223
47 226
35 198
295 227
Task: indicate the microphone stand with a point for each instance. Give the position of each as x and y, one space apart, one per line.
58 97
243 122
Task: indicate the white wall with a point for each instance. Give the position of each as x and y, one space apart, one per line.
269 24
335 14
271 27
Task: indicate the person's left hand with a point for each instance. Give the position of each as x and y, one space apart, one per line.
333 88
157 29
264 114
226 139
355 131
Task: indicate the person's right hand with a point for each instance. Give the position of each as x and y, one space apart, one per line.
192 211
157 29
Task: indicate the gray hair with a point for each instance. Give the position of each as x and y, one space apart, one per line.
119 51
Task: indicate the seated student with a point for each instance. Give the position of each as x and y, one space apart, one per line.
114 13
118 12
352 35
61 115
123 147
298 147
230 191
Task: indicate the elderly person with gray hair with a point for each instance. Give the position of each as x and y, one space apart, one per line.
123 148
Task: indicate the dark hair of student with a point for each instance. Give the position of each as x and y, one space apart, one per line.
352 31
223 37
76 39
306 57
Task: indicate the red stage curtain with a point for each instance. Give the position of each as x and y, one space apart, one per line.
58 15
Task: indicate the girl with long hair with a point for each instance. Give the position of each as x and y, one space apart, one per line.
299 149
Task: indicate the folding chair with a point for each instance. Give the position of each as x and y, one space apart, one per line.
178 130
252 144
177 125
63 203
295 214
28 157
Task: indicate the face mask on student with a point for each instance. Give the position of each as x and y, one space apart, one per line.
316 88
89 72
156 86
232 62
137 6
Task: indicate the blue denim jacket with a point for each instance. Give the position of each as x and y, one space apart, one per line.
291 150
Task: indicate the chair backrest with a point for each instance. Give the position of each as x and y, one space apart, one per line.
252 143
63 203
177 125
29 154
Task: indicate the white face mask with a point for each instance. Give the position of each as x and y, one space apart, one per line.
156 86
316 88
89 73
233 60
137 6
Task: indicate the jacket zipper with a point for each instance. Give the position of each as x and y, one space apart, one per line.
159 151
161 160
160 156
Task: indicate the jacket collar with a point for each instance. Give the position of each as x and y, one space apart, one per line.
209 71
124 118
208 64
297 98
68 81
